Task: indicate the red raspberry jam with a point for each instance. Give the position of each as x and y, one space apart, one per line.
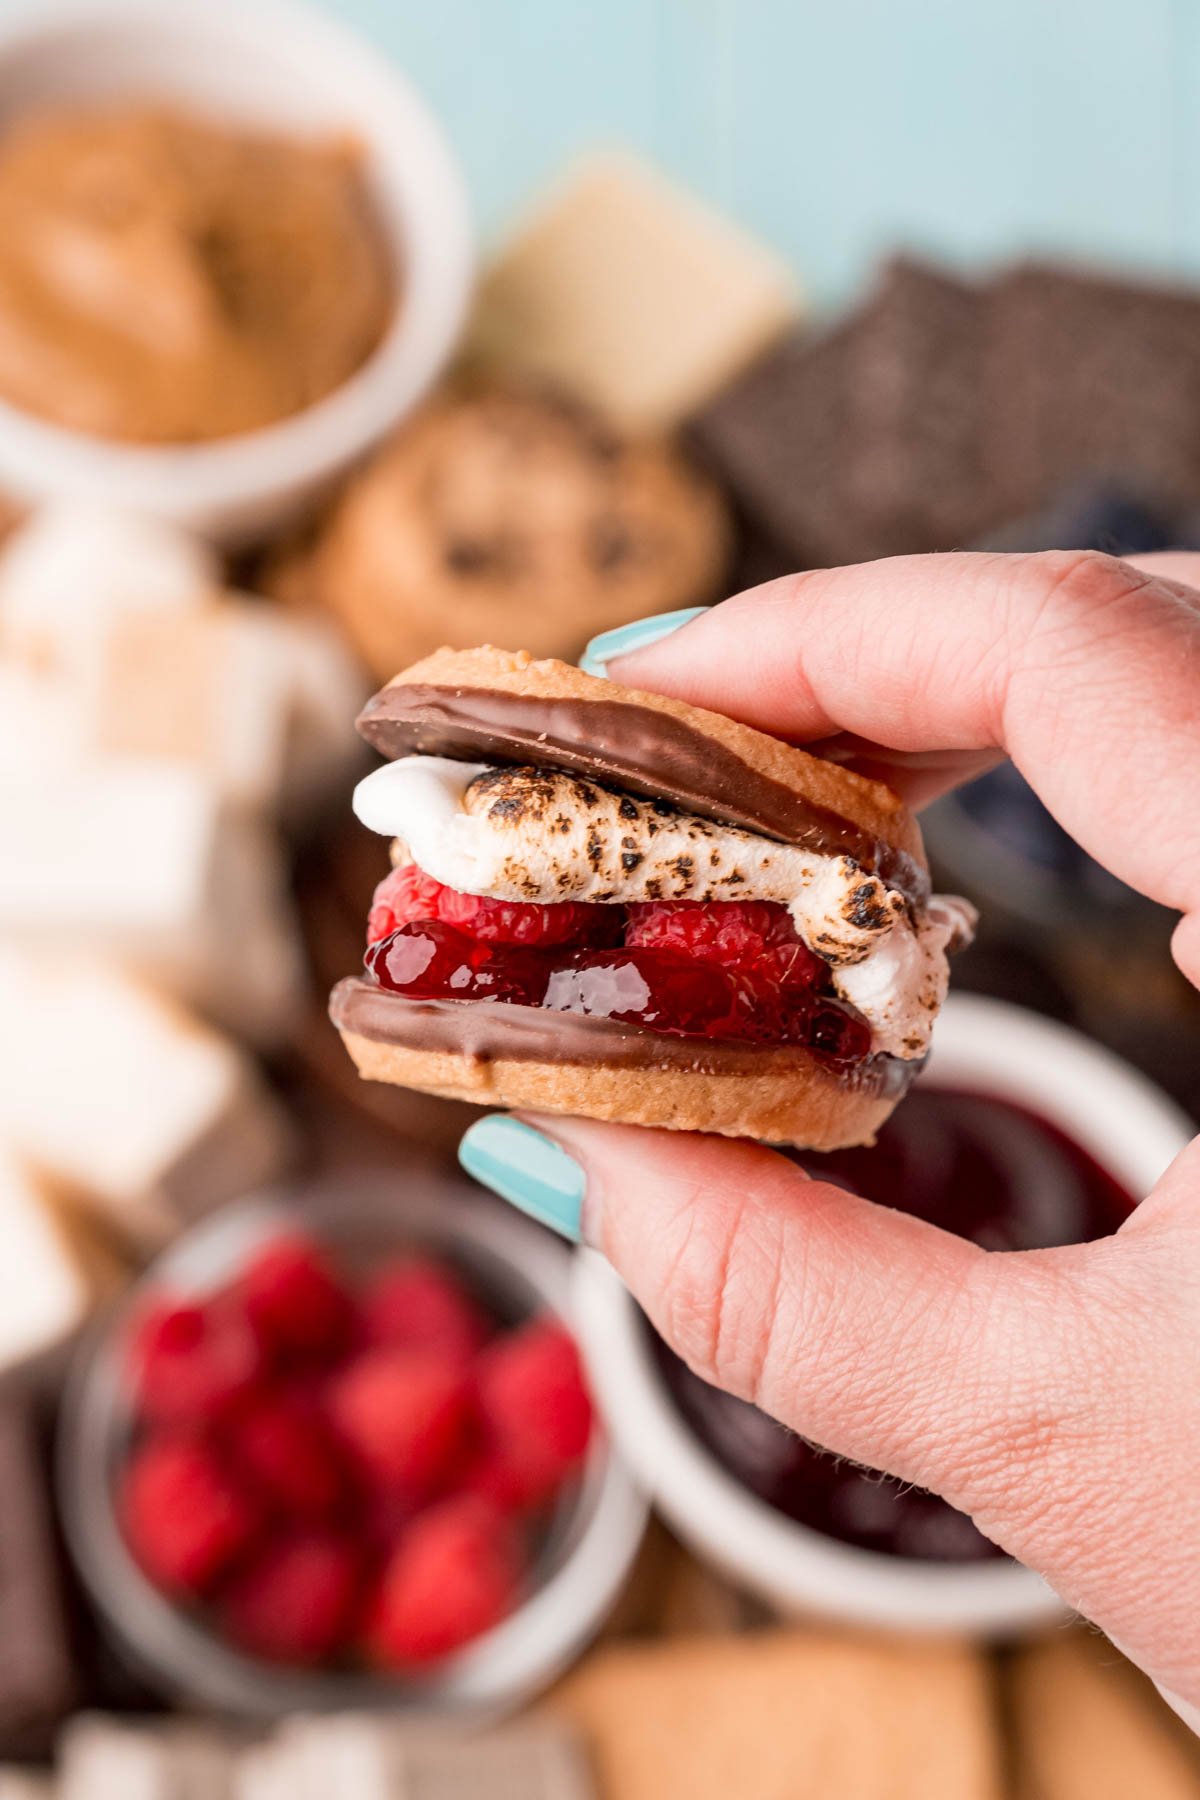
713 979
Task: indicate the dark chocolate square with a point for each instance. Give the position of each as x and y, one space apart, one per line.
1090 378
37 1676
863 441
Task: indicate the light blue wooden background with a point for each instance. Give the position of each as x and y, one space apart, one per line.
839 128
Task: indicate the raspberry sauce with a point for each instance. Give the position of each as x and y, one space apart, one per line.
664 991
974 1165
726 971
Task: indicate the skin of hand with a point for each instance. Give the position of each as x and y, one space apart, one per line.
1055 1395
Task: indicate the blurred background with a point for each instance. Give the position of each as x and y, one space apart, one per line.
838 133
332 334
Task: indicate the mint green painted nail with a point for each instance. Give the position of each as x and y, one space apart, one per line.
522 1166
637 636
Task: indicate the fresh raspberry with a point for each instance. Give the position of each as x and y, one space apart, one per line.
496 1478
385 1517
751 935
192 1362
408 895
185 1517
283 1446
415 1303
294 1299
295 1602
454 1576
536 1413
534 927
407 1416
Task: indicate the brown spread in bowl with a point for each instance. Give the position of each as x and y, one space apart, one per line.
167 279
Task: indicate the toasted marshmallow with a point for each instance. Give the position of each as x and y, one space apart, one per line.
544 836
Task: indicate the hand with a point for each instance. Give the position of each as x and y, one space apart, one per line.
1054 1395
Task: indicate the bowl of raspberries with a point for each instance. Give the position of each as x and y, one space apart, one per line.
336 1449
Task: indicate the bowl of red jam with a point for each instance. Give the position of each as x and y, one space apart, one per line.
337 1449
1020 1135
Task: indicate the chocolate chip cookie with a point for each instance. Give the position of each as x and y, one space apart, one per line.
510 515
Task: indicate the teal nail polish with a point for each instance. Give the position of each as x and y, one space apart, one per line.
522 1166
637 636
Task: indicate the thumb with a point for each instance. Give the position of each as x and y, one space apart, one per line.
875 1334
1038 1391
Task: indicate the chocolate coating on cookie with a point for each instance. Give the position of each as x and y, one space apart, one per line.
625 745
494 1029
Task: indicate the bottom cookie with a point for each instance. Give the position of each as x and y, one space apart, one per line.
777 1096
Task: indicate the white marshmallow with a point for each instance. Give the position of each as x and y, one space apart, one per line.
73 565
550 839
132 1106
141 861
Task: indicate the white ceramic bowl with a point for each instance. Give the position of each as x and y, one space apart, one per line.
593 1536
278 64
1113 1112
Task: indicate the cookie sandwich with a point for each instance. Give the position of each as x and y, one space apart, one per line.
610 903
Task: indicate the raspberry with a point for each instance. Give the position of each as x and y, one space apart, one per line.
385 1518
496 1479
416 1303
408 896
536 1413
403 896
533 927
192 1362
294 1299
406 1415
745 934
283 1446
454 1576
185 1518
296 1601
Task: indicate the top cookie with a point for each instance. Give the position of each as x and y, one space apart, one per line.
491 705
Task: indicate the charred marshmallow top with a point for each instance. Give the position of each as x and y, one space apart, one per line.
542 835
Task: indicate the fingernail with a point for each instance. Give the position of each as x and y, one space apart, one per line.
610 644
529 1170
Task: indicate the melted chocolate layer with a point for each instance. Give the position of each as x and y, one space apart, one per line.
628 746
493 1030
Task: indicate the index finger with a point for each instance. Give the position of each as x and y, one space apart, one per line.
1083 669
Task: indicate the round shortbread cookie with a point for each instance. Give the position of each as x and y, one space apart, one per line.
799 1100
730 762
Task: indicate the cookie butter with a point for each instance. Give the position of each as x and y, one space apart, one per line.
167 279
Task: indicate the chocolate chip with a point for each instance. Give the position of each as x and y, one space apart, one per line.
469 556
611 545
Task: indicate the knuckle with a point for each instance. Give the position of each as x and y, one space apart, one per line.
1075 589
